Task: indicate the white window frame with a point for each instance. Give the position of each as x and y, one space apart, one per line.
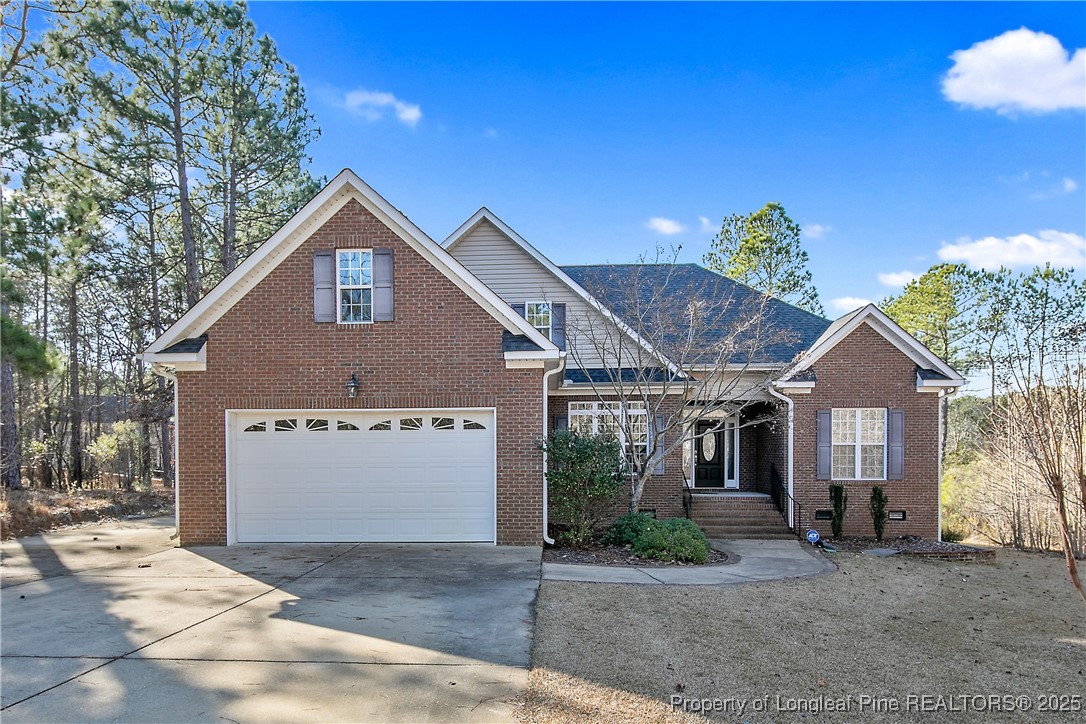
341 287
595 411
859 443
546 329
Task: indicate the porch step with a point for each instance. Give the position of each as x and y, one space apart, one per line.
725 516
746 531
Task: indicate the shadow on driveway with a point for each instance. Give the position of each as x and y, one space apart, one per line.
270 633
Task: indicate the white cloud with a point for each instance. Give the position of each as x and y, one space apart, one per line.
372 106
847 304
667 227
1020 70
1069 185
816 231
897 279
707 226
1059 248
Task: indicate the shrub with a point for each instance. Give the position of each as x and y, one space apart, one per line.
951 535
674 539
839 500
586 474
626 530
878 511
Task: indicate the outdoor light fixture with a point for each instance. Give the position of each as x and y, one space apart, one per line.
352 386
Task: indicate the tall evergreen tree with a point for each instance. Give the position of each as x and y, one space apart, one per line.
763 250
257 132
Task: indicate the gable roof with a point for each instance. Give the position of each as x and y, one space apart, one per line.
681 284
485 214
339 191
930 368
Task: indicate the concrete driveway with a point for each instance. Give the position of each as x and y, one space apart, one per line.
114 623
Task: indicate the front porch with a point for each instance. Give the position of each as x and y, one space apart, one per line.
733 470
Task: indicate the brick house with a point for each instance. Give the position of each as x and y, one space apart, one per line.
399 390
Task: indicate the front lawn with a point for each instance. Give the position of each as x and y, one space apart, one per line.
884 628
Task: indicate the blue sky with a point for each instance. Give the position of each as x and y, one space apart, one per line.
599 131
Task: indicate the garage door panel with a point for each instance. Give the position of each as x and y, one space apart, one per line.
364 484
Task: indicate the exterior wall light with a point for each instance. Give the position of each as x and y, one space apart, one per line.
352 386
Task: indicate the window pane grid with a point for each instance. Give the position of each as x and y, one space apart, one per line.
355 280
859 444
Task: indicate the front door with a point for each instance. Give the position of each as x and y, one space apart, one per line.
715 464
709 466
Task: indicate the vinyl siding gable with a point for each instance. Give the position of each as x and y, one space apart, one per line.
516 277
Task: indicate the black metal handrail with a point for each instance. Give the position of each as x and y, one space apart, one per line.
688 500
781 498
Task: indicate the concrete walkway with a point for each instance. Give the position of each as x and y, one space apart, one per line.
759 560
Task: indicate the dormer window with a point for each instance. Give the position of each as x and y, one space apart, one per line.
538 315
354 286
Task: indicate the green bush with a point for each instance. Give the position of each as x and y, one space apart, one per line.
626 530
839 501
950 535
586 474
878 511
674 539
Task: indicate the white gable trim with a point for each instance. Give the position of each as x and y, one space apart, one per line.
342 189
485 214
890 330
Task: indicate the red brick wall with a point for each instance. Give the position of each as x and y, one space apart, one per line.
864 370
443 350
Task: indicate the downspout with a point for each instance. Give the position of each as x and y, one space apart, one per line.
943 394
546 393
791 433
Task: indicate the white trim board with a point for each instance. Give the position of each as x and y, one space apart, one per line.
342 189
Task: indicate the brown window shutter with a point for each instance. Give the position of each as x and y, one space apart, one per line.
558 325
382 285
324 286
824 445
895 445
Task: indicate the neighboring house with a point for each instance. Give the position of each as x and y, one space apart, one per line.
353 380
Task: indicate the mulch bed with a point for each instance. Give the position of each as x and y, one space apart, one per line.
914 546
616 556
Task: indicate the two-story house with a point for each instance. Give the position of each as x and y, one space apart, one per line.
354 380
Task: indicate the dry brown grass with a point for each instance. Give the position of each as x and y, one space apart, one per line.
880 627
28 512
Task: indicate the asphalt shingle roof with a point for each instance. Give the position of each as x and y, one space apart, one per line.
677 285
186 346
518 343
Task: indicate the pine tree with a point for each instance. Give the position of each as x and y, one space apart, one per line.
763 251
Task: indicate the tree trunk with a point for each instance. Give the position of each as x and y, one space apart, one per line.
9 429
46 424
192 264
230 225
1069 549
76 413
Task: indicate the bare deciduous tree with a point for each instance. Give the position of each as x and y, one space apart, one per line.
683 344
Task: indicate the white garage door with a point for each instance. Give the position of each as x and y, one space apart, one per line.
406 476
